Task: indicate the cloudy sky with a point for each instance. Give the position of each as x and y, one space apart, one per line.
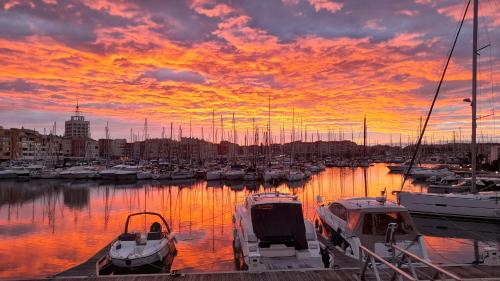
332 62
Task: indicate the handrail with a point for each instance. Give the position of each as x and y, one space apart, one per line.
429 264
388 264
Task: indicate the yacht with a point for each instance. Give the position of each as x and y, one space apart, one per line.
481 205
270 232
120 173
181 174
476 205
294 175
423 173
352 222
79 172
214 175
134 250
235 172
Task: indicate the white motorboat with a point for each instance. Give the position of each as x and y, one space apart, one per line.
135 250
182 174
270 232
8 174
79 172
120 173
422 173
214 175
161 175
350 223
272 175
481 205
235 172
294 175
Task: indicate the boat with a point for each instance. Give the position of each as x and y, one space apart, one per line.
271 175
352 222
144 174
270 233
8 174
477 205
294 175
481 205
423 173
235 172
120 173
133 250
181 174
213 175
79 172
251 174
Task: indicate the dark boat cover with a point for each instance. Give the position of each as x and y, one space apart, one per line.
279 223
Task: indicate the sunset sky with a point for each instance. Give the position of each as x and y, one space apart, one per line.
332 61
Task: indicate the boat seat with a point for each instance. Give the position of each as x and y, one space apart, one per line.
127 237
155 236
155 232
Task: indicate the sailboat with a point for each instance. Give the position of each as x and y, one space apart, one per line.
476 205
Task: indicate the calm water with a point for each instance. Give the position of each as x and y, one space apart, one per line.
49 226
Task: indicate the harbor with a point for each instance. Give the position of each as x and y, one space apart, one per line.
249 140
45 214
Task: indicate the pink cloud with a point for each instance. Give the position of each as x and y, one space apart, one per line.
330 6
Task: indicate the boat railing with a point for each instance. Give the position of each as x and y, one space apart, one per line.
407 259
373 260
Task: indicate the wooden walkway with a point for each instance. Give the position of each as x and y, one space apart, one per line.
345 268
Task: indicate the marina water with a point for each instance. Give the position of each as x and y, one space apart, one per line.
47 226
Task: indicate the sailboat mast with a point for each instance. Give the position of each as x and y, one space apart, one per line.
474 94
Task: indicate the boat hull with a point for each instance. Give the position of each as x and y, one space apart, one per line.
450 205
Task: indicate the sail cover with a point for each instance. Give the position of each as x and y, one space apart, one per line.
279 223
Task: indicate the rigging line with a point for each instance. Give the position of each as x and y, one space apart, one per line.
434 100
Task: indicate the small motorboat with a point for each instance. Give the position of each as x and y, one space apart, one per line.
133 250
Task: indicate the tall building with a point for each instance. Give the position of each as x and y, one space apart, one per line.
77 127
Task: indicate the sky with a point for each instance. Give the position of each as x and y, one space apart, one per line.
323 64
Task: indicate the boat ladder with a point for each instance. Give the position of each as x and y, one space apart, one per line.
408 259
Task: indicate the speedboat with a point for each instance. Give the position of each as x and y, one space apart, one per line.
350 223
134 250
270 232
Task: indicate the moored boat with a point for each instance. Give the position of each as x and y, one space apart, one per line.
350 223
270 232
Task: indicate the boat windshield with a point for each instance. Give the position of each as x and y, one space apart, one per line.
279 223
376 223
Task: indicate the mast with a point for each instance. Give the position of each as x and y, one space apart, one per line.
474 94
269 129
364 138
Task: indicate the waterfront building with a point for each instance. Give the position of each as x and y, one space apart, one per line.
77 127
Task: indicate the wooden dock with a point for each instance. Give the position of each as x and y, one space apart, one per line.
345 268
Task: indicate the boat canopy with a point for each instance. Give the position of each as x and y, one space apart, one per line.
279 223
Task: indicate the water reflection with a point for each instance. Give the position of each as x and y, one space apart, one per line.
55 225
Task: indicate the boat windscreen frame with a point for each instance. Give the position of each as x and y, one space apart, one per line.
147 213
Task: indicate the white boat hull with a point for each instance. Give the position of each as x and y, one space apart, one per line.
454 205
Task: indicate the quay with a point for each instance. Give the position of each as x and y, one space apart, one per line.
344 268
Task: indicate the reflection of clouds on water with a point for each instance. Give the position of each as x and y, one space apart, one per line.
43 217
